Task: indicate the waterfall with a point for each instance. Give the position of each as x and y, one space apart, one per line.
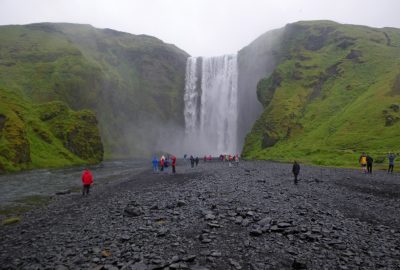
211 105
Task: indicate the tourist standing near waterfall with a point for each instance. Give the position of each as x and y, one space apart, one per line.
391 158
162 160
370 160
173 158
87 181
363 162
191 161
155 164
295 171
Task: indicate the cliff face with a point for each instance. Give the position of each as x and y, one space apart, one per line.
133 84
255 61
333 93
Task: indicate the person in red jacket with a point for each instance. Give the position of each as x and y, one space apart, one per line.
87 181
173 164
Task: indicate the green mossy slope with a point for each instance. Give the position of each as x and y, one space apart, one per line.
45 135
133 83
334 94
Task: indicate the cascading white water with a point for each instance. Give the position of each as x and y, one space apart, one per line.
211 121
191 96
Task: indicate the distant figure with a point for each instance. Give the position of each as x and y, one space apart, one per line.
173 164
166 164
363 162
155 164
87 181
197 161
370 160
237 160
296 171
162 161
205 158
391 158
191 161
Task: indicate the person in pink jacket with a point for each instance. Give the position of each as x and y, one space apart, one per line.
87 181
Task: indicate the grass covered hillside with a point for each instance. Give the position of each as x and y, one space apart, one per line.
334 93
45 135
133 83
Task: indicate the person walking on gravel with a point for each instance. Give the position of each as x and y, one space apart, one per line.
370 160
162 160
155 164
191 161
391 158
173 164
295 171
87 181
363 162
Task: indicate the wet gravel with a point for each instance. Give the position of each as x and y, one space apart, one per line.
216 217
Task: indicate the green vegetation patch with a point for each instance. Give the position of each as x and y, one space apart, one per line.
12 213
11 220
133 84
332 96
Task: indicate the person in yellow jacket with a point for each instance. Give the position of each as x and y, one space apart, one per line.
363 162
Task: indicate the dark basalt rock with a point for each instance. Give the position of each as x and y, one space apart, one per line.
297 264
268 141
63 192
355 55
349 216
133 211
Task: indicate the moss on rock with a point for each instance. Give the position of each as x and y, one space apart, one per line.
46 135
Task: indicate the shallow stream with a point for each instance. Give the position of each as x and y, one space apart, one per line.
47 182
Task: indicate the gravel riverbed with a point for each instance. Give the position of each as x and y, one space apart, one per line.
216 217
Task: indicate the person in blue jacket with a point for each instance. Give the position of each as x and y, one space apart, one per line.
155 164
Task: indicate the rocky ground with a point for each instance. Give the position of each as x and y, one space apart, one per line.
216 217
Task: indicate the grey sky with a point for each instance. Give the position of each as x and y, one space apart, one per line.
200 27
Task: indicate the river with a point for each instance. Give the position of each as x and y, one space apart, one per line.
46 182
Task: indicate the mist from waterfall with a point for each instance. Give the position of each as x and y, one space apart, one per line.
211 105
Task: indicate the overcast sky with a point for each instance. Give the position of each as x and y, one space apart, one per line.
200 27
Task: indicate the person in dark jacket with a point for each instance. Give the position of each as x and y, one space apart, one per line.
370 160
87 181
391 158
191 161
296 171
197 161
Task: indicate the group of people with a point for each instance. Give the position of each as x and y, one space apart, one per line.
366 162
164 163
207 158
229 157
193 161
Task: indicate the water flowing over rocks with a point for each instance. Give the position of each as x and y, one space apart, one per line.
216 217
